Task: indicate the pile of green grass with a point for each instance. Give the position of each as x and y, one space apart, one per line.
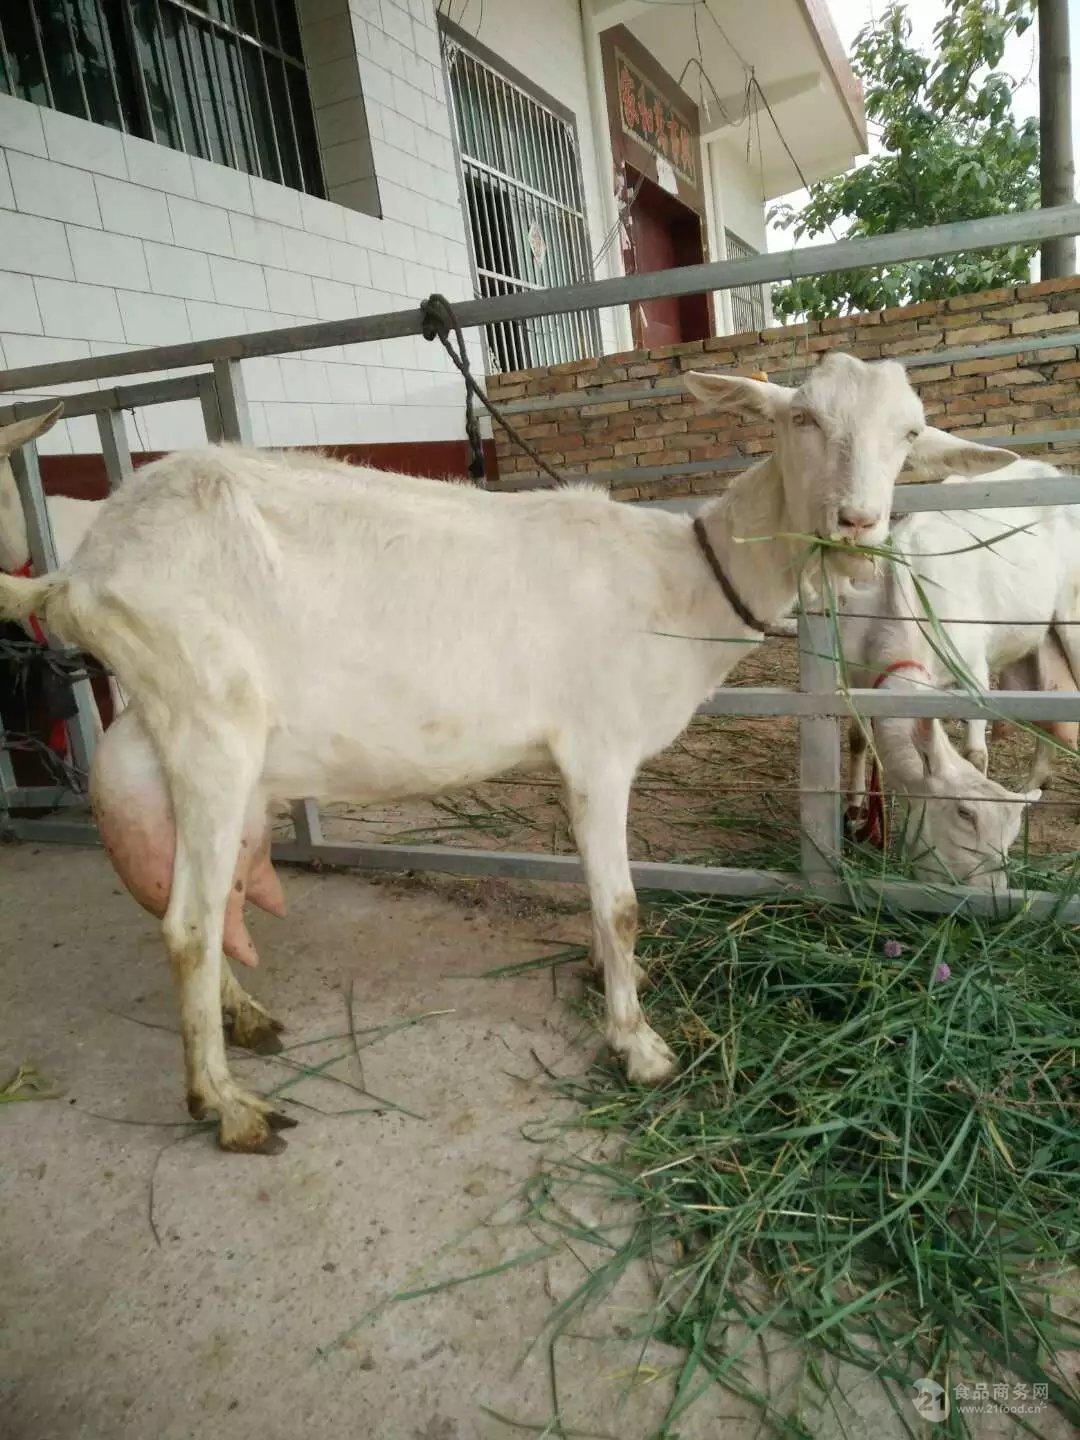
873 1146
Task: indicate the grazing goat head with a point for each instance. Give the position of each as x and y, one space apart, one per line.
963 824
14 546
842 439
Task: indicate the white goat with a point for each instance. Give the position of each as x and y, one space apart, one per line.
69 518
286 626
967 823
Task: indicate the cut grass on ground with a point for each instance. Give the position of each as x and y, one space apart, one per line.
873 1146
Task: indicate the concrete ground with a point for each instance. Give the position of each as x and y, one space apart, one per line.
263 1307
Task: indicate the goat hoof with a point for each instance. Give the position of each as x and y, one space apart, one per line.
649 1060
267 1144
247 1123
251 1028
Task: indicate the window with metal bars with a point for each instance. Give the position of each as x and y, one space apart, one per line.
222 79
747 301
522 181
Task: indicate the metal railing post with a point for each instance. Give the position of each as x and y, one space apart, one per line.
233 412
208 399
8 783
819 753
115 449
83 729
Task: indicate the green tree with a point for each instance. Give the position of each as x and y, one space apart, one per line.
951 149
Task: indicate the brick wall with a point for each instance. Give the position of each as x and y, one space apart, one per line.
610 417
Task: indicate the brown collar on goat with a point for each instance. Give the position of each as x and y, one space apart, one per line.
730 593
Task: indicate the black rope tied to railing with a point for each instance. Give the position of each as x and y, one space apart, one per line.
438 321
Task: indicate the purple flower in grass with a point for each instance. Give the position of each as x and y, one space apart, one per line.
892 949
941 973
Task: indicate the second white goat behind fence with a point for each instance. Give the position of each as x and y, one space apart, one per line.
994 582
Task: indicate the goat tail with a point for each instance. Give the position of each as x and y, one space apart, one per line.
21 597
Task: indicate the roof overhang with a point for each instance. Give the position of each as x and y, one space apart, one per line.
817 123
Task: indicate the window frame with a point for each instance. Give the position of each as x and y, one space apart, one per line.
752 296
217 121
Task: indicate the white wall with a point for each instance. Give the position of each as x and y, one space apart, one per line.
734 199
108 243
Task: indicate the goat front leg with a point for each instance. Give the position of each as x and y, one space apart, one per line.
858 746
975 749
247 1024
210 778
598 801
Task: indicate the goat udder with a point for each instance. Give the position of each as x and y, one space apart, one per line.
134 817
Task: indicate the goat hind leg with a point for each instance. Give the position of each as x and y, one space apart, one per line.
247 1023
598 804
211 770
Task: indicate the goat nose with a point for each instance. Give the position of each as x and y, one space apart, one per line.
856 520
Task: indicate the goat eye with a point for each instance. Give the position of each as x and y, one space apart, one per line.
803 418
912 436
966 814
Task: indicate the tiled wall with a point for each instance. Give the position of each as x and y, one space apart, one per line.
109 242
601 420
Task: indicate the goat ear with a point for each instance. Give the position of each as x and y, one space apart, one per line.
12 437
739 393
937 454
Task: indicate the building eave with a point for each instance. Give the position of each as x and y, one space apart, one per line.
831 49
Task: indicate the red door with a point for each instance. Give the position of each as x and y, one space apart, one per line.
664 233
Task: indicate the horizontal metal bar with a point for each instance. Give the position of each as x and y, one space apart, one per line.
647 874
533 480
1025 227
119 397
760 701
56 831
686 879
1063 340
601 394
987 494
41 797
907 497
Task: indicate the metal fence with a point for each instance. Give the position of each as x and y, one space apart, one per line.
821 703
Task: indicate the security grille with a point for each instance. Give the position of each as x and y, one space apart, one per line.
747 301
222 79
522 184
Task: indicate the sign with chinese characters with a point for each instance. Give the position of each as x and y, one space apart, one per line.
650 119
